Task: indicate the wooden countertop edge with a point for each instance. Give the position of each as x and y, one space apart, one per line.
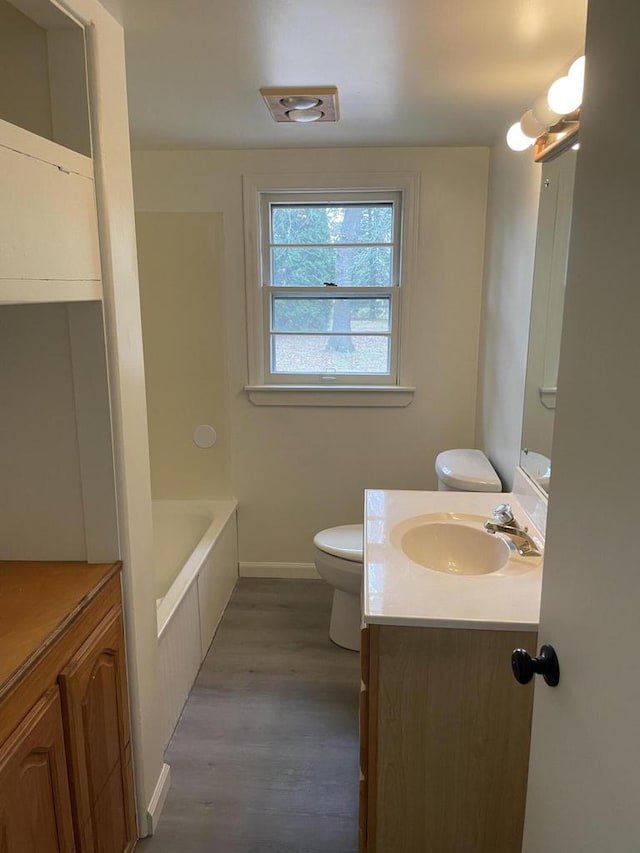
32 660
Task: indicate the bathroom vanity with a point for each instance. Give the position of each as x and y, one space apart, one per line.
444 726
66 780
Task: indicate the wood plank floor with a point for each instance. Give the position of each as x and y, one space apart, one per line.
265 756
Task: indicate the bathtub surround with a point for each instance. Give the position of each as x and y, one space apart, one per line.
184 336
196 565
297 470
265 756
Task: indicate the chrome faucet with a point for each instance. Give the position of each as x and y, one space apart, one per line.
507 524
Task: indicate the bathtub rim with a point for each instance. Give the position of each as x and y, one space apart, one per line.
222 510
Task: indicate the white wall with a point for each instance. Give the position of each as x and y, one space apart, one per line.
509 257
38 438
180 259
42 85
296 470
23 58
57 500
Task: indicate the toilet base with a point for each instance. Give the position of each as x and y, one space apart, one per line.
344 628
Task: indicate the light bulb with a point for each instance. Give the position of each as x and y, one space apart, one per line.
565 95
516 140
305 115
543 113
530 125
299 102
576 71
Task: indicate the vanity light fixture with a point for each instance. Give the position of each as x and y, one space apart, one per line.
303 104
552 124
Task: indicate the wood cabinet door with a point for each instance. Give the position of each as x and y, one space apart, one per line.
367 748
35 810
96 716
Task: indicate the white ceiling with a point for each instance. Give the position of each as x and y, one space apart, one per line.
409 72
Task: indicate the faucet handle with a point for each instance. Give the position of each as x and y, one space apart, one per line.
503 514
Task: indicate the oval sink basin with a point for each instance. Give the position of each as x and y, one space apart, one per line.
455 548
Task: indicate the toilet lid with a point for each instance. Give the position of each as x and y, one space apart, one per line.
467 470
345 541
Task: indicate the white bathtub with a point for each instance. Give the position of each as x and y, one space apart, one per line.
196 568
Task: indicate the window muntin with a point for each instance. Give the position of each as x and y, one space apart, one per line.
330 287
345 266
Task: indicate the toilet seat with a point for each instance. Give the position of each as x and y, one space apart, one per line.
345 542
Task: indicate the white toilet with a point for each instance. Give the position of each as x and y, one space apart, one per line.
339 550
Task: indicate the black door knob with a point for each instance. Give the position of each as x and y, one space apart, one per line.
546 664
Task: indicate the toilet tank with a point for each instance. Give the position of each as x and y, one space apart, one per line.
466 470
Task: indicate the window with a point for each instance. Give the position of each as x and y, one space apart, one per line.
326 291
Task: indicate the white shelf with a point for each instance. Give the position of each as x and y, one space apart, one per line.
32 291
31 145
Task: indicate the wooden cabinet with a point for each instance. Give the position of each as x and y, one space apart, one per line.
444 741
94 692
66 779
35 809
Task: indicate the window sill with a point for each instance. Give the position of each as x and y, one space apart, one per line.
354 396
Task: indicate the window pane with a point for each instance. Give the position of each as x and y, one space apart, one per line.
317 314
362 266
330 354
343 223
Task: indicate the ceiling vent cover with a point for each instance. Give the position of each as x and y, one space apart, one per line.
302 104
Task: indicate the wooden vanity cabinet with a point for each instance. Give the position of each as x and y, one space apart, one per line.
35 809
444 741
66 781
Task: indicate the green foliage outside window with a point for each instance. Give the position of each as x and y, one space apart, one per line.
297 262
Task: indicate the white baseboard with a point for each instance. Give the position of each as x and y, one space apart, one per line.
157 800
303 571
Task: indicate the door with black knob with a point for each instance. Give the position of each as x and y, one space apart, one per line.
584 791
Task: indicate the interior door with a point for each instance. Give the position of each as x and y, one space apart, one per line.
584 776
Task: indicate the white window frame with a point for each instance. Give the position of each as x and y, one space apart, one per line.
266 388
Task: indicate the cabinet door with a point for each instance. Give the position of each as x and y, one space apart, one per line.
35 811
96 716
366 747
452 741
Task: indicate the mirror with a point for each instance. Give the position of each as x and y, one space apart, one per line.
545 329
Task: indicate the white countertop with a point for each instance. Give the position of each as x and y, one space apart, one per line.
398 591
